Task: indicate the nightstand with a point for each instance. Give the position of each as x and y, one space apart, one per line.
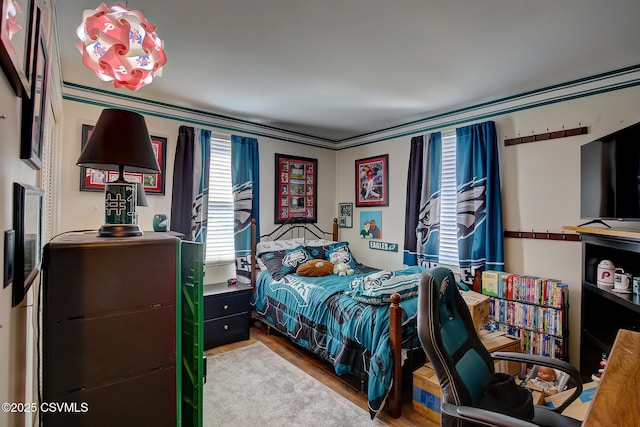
226 314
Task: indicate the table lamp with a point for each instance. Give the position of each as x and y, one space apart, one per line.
120 140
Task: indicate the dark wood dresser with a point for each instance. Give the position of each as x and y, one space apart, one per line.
226 314
109 324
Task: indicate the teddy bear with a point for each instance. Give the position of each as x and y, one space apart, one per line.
342 269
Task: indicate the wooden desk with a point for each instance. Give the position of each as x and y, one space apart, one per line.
616 400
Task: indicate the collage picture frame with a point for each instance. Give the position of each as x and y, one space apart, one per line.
296 188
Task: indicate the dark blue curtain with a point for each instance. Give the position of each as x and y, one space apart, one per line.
422 214
189 198
479 200
245 177
181 196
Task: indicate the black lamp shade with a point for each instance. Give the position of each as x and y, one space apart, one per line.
120 138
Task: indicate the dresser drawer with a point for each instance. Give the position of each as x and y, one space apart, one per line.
226 304
226 330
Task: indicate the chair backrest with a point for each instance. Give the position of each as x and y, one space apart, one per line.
445 328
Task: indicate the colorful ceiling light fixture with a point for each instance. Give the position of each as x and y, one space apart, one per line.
120 45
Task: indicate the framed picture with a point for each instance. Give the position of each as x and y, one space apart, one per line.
27 223
371 224
95 179
345 215
17 41
372 181
296 188
34 107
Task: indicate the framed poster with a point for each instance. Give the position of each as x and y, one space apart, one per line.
345 215
296 188
34 107
17 43
372 181
95 179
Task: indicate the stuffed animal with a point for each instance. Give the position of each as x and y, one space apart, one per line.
338 257
342 269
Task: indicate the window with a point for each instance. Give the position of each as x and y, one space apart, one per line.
448 202
220 238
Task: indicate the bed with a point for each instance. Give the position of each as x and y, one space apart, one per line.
363 323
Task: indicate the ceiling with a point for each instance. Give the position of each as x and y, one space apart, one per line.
338 69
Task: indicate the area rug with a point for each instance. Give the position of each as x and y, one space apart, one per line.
253 386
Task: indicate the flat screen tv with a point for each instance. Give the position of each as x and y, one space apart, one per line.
610 176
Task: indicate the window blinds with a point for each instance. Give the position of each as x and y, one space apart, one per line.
220 240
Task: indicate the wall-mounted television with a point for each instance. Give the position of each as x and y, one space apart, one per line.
27 223
610 176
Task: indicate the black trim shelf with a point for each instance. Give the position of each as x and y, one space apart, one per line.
604 312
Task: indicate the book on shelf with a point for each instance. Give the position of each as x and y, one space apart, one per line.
530 308
529 289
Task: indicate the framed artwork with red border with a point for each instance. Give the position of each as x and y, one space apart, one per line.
95 179
18 40
372 181
296 188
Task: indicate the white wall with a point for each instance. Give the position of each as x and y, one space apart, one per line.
540 188
13 321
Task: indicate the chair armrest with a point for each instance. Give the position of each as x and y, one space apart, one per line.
483 416
546 361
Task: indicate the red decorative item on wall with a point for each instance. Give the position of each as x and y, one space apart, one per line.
120 45
296 189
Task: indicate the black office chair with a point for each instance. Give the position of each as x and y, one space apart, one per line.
463 365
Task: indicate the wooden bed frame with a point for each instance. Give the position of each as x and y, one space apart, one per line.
394 400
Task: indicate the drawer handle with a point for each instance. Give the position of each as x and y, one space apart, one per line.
226 327
226 307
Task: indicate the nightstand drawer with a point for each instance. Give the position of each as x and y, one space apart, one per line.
226 330
225 304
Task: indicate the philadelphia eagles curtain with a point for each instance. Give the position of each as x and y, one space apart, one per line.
422 215
479 212
479 204
245 176
189 199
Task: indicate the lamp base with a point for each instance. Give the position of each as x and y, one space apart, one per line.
120 230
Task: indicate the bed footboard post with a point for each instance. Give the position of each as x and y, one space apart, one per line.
253 254
335 229
395 337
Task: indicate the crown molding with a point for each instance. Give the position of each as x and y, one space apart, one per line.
594 85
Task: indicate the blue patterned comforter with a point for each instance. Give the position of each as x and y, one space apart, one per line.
316 314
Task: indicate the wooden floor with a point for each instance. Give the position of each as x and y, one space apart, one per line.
323 372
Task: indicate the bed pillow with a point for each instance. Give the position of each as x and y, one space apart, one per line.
315 268
340 252
317 252
278 245
377 288
281 263
275 245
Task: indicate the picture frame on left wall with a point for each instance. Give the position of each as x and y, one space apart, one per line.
27 223
17 36
154 183
34 107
